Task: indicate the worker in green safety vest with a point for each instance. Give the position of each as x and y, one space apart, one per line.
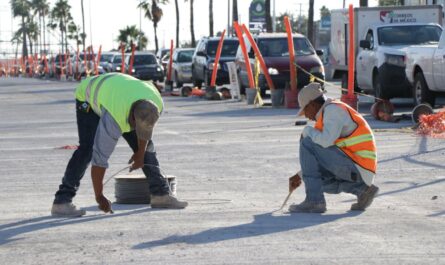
107 107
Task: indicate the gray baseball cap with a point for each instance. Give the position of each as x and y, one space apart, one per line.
307 94
146 115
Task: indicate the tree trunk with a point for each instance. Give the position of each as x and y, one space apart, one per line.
192 28
235 11
25 44
310 22
268 17
211 18
44 35
363 3
177 23
155 25
39 45
83 25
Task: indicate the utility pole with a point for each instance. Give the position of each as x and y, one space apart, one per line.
274 19
344 3
228 17
299 20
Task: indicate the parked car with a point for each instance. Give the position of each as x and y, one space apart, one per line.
275 51
105 61
425 65
145 67
165 60
85 65
204 57
116 63
182 66
162 52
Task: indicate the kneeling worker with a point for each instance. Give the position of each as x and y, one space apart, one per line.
337 155
107 107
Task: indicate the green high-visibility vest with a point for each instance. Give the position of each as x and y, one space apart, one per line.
116 93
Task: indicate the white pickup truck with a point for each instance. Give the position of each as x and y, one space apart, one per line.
425 70
381 36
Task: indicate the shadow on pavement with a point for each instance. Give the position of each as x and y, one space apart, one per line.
11 230
263 224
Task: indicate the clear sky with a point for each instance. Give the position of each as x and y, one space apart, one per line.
108 16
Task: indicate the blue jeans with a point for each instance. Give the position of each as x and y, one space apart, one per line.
87 122
327 170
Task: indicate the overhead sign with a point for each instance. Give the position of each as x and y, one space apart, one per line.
257 11
325 22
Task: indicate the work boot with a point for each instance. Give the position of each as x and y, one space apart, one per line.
167 201
66 210
365 199
308 207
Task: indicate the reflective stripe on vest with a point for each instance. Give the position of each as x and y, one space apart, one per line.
93 101
355 140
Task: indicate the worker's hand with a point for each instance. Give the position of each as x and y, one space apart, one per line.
104 204
137 161
294 182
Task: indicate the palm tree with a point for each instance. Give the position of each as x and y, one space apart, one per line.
310 23
211 18
177 23
32 33
154 13
130 35
20 8
61 16
268 17
74 34
192 25
41 8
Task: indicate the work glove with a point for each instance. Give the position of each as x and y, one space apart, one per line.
104 204
137 161
294 182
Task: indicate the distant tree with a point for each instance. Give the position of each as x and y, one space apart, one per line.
294 23
60 17
325 12
74 33
41 8
83 35
32 33
21 8
192 23
363 3
154 13
131 35
177 23
235 10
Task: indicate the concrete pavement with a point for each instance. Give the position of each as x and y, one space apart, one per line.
232 162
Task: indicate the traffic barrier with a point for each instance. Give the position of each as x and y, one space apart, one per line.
242 44
291 96
350 98
97 61
259 56
123 58
217 56
130 69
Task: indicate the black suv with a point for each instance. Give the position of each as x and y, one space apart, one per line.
204 57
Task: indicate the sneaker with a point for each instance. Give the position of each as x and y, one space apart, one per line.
365 199
167 201
308 207
66 210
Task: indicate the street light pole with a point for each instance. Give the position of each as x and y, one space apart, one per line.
274 26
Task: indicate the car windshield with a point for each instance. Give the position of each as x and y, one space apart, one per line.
106 57
144 59
408 35
185 56
229 48
89 57
117 59
277 47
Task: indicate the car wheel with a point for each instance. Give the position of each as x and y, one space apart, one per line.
378 89
421 92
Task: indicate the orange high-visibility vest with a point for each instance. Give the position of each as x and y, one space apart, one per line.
360 144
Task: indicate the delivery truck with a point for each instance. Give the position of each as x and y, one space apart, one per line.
380 36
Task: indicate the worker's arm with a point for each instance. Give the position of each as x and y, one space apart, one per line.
334 119
97 175
105 140
138 158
